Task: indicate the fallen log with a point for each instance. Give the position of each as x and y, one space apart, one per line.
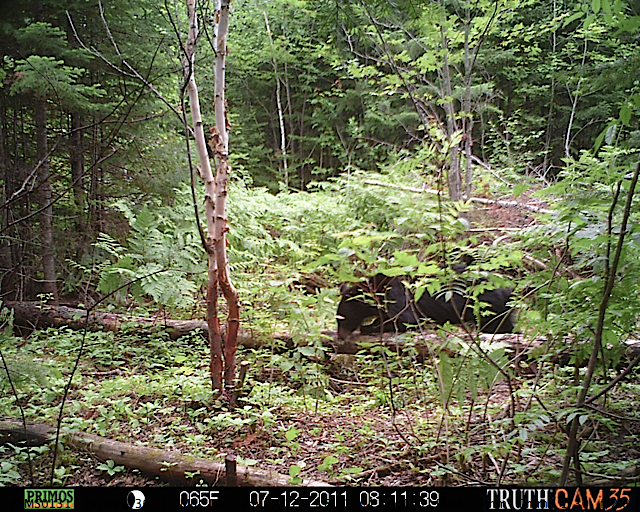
35 315
169 466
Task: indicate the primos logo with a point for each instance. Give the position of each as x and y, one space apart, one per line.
48 498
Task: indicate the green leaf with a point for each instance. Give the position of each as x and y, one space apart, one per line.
625 114
587 22
572 18
519 189
404 259
600 139
292 433
294 470
327 463
345 252
308 351
394 271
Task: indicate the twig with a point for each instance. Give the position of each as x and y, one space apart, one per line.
481 200
572 446
132 73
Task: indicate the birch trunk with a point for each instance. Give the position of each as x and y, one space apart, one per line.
221 151
216 188
283 140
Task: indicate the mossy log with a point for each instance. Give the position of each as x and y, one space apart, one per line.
169 466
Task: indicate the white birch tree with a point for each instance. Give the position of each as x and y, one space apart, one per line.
216 190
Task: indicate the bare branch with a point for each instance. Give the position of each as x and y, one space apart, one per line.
132 73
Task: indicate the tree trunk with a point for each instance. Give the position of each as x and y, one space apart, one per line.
467 119
479 200
216 190
215 340
76 161
221 150
283 140
7 272
170 466
455 176
35 315
547 161
46 213
574 104
95 194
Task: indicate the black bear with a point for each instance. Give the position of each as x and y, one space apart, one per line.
393 308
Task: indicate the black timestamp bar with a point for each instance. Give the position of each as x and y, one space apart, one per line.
471 499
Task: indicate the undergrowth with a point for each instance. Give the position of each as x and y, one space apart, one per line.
360 410
435 407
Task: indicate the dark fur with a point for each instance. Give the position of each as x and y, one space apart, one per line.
393 307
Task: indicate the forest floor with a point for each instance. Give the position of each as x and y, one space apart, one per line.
369 444
356 419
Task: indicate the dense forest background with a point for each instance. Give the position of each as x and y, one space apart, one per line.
344 117
316 90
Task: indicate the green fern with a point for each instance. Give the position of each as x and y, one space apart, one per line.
473 370
162 260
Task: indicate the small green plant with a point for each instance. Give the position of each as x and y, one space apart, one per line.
9 474
327 464
63 473
294 471
347 473
111 468
290 435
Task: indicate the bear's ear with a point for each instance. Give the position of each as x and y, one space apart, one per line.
344 288
375 282
380 281
459 268
467 259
